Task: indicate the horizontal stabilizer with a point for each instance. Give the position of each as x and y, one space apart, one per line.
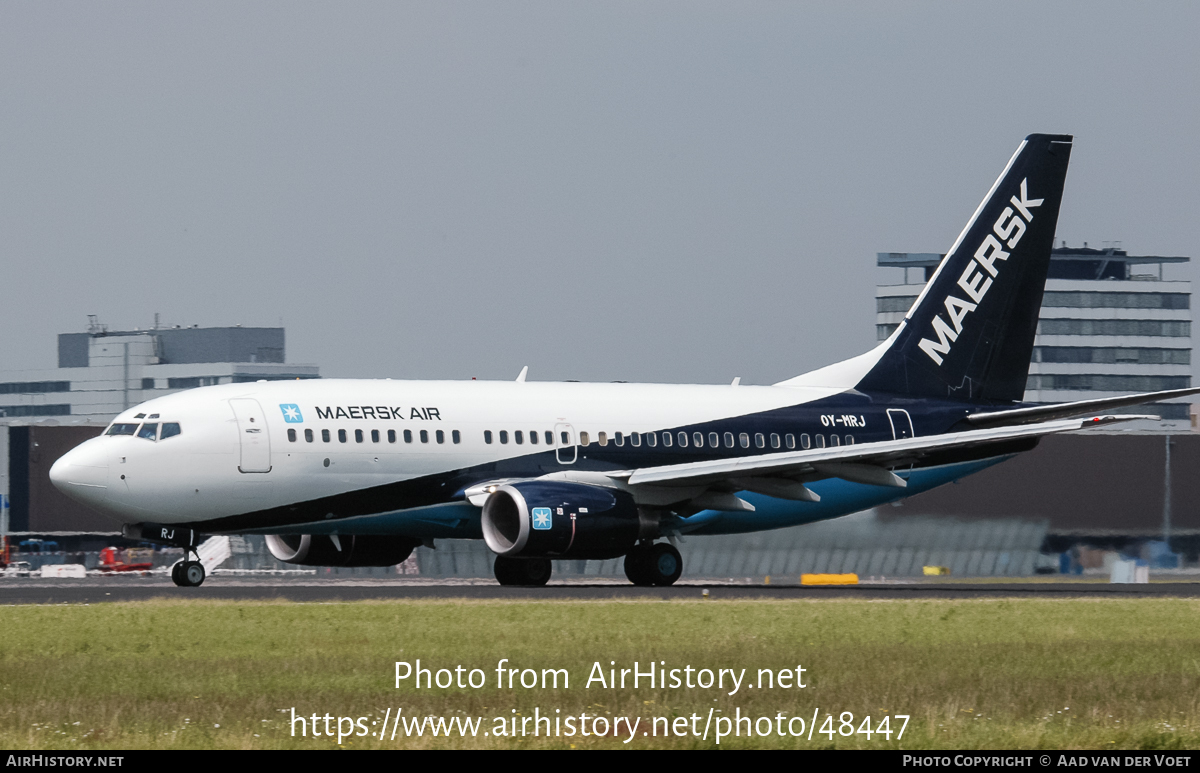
1038 413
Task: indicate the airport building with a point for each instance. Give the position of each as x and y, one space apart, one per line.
1110 324
101 372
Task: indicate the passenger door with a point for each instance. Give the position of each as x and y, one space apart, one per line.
901 423
253 436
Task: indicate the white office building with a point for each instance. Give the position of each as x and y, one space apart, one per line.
1110 324
101 372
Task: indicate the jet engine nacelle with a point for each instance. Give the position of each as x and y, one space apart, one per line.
348 550
548 519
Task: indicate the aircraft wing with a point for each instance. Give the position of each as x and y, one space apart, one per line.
780 474
1038 413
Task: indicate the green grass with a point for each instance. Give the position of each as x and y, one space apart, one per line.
1110 673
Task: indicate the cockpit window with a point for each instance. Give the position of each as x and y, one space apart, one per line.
171 429
149 431
122 429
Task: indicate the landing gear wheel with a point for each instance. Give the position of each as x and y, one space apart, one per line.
663 565
522 571
193 574
635 565
188 574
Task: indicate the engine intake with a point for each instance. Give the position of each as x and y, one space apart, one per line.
354 550
545 519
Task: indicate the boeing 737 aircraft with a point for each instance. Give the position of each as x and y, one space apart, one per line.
358 473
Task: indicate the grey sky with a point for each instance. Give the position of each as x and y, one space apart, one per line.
638 191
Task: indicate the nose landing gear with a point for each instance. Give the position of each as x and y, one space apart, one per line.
188 574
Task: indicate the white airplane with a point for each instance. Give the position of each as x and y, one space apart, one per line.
357 473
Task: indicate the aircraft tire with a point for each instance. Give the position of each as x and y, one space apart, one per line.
522 571
636 561
192 574
177 573
663 564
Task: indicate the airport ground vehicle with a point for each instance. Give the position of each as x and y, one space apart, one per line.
357 473
18 569
126 560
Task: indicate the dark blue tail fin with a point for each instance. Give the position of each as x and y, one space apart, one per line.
969 335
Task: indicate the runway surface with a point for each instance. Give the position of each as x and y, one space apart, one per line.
100 590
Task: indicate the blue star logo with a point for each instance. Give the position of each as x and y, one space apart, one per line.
541 518
291 413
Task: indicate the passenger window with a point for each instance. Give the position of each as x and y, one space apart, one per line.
820 441
602 438
424 436
122 429
457 438
698 439
504 437
835 441
358 436
440 435
566 438
171 429
308 433
391 436
805 441
341 436
729 440
635 439
759 440
666 440
789 440
487 436
533 437
291 435
549 438
774 440
519 437
148 431
325 435
682 440
619 439
374 436
651 439
849 440
408 436
583 439
744 439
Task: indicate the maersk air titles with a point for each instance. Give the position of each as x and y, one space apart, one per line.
358 473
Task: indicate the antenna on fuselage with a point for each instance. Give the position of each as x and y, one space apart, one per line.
524 372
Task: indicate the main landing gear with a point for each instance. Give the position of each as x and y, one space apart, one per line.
188 574
647 564
522 571
653 564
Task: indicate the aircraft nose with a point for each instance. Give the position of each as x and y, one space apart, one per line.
82 473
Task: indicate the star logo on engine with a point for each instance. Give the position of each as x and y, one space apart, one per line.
541 518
